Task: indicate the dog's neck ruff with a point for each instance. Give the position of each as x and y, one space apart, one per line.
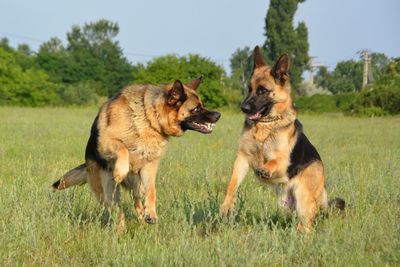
269 119
277 122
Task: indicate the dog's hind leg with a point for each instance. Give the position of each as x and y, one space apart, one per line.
111 198
136 189
323 202
106 190
309 194
306 208
111 193
148 176
94 180
111 190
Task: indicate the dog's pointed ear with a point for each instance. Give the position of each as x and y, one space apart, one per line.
281 69
176 93
195 83
258 58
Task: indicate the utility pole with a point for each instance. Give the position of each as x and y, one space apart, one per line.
313 64
243 78
366 65
312 70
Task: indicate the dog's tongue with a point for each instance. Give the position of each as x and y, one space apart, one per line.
255 116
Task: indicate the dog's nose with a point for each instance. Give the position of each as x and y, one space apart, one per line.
246 108
213 116
217 115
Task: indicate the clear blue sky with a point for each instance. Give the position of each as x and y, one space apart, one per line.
211 28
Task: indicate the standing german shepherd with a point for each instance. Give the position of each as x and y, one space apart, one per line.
128 138
274 146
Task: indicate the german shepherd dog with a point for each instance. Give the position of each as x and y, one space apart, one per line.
130 135
273 144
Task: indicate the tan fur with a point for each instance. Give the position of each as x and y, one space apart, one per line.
133 132
267 145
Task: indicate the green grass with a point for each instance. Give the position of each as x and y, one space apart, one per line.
40 227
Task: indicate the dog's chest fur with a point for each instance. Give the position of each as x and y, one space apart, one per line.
263 143
133 119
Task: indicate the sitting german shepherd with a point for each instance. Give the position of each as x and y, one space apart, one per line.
130 135
274 146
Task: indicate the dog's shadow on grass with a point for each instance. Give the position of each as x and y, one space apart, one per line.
204 215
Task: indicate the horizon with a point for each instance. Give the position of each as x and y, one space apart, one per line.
140 44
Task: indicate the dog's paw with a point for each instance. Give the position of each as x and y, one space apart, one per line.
120 172
223 211
150 219
121 226
262 174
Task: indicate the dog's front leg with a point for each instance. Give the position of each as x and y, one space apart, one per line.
115 148
148 175
274 168
266 171
239 172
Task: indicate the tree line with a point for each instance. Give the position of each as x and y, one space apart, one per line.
91 66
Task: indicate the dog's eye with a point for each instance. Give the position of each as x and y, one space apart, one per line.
261 90
249 88
197 109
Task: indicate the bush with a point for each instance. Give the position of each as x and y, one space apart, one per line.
30 87
325 103
83 93
167 69
316 103
343 101
377 100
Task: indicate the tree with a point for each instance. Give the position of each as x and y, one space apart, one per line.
378 63
323 78
345 78
30 87
282 37
347 75
5 45
92 54
241 68
97 56
383 96
167 69
54 59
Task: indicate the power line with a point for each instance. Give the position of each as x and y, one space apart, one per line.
126 53
24 37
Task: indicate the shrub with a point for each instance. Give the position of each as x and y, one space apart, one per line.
30 87
83 93
316 103
377 100
166 69
343 101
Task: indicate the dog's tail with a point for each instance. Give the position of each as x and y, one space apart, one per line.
76 176
337 204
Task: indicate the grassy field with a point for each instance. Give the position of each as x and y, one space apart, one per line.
43 228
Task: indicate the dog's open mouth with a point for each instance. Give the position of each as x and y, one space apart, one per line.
254 117
206 127
259 114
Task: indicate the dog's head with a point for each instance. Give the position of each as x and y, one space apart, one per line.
186 109
269 89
